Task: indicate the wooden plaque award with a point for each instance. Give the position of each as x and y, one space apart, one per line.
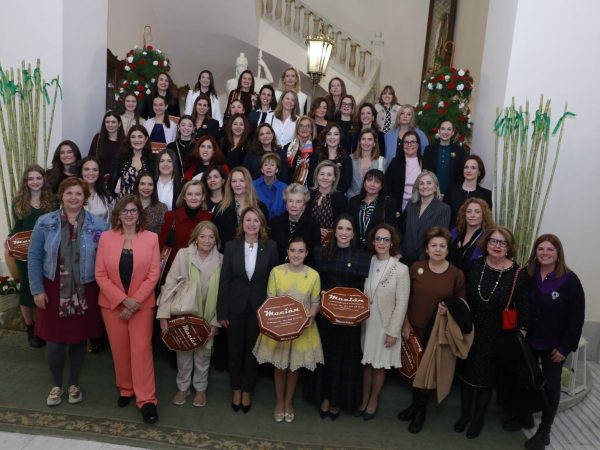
281 318
345 306
186 333
411 353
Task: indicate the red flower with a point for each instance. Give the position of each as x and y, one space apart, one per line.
130 52
132 65
461 138
451 85
125 85
161 63
446 104
142 62
463 78
427 106
455 77
441 77
442 111
468 86
434 130
149 47
462 118
452 69
140 88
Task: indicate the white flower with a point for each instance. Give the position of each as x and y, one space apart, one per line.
127 68
165 64
155 63
460 87
461 106
121 90
469 125
440 104
447 78
130 59
116 97
135 47
137 92
461 73
423 104
144 53
420 113
152 80
158 50
430 86
148 91
439 86
136 82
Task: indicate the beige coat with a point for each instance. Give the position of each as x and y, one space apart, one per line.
446 343
392 293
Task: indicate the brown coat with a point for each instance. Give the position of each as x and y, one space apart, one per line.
447 342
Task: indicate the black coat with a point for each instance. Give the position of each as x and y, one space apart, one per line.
226 222
236 291
430 161
339 203
395 179
385 212
209 127
172 104
307 227
456 196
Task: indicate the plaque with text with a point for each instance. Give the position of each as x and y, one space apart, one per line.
345 306
327 238
186 333
411 353
281 318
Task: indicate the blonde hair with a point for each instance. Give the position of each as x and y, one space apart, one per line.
282 85
181 199
205 224
375 152
278 113
251 199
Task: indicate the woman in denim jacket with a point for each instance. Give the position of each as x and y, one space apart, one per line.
61 276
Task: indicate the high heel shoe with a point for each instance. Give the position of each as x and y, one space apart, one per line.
235 407
246 408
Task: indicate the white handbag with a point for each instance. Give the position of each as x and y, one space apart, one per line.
182 298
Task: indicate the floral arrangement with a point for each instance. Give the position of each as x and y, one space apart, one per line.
448 91
141 67
8 286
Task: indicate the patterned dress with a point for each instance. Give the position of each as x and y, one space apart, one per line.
304 351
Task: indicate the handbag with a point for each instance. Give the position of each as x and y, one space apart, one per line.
510 316
165 252
182 298
411 352
18 244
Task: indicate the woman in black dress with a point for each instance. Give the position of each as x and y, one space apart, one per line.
490 281
329 147
64 164
339 381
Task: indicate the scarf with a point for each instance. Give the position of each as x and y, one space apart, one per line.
72 293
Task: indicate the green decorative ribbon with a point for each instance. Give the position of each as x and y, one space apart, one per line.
45 89
560 121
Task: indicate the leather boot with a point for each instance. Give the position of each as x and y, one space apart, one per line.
407 414
482 400
32 339
540 439
416 424
466 405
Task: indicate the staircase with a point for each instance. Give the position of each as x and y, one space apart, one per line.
282 30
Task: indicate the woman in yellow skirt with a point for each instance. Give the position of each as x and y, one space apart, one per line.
302 283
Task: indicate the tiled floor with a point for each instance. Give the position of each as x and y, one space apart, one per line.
18 441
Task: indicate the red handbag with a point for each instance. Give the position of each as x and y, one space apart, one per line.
510 316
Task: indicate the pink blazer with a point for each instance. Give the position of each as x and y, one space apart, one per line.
146 269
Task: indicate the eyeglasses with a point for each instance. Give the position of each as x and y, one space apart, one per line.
129 212
498 243
347 104
304 126
410 142
383 239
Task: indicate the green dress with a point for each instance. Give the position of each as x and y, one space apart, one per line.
306 350
25 224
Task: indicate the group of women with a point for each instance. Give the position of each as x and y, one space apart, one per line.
277 203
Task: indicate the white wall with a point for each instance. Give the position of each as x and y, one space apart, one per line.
542 47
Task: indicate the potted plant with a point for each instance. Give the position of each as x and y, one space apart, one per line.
10 316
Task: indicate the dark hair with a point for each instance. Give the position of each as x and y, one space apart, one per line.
170 97
257 146
315 105
176 174
166 120
127 151
391 90
229 133
298 238
70 182
332 247
136 187
413 133
479 163
273 103
103 134
263 234
219 168
394 244
55 173
99 185
486 215
377 175
357 124
239 83
561 265
195 112
211 87
343 84
120 206
435 232
217 157
191 119
322 149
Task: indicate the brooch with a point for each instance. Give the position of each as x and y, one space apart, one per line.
420 271
204 126
453 155
555 295
96 237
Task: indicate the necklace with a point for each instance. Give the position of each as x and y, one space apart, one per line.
495 285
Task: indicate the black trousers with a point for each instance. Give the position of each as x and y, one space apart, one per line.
242 334
553 373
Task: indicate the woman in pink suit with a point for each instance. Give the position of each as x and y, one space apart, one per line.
127 270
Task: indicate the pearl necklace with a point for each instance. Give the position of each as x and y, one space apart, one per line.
495 285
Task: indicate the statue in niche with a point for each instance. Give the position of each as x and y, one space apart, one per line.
241 64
